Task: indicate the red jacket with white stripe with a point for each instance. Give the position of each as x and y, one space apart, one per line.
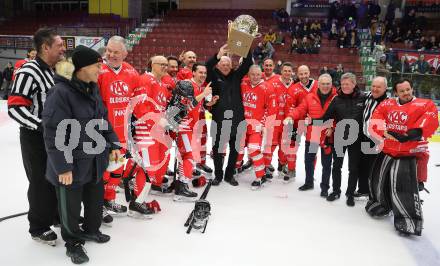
309 109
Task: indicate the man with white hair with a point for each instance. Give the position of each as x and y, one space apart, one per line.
374 98
347 107
311 109
229 108
116 83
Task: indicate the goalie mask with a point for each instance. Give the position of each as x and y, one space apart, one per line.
181 102
202 211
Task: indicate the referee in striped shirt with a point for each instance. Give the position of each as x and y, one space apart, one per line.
374 98
25 105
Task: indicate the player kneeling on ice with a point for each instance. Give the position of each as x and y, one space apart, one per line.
78 140
404 124
258 101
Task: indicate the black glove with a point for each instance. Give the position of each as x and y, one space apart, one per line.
421 186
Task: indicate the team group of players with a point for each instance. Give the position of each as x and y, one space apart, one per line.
276 107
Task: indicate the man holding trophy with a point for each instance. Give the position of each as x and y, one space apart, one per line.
228 112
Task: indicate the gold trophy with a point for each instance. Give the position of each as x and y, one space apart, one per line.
241 33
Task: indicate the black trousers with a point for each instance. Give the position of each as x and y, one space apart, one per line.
354 153
41 194
223 134
365 170
69 205
310 161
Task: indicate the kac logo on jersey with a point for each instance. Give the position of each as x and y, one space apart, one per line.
250 97
398 117
119 88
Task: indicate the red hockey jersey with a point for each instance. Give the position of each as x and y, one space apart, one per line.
116 88
280 89
391 116
258 101
153 100
184 73
169 82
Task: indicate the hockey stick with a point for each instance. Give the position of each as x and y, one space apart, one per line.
13 216
203 196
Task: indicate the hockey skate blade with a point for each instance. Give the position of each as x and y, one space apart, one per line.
183 199
107 224
160 194
117 214
139 216
51 243
256 188
288 181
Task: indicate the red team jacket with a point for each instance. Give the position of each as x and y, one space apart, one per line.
390 115
116 88
258 101
311 108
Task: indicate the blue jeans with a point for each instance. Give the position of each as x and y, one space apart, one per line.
310 160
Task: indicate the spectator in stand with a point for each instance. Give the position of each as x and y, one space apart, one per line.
437 72
409 20
350 25
270 36
257 54
397 35
342 38
304 46
382 67
409 38
390 15
279 38
268 50
389 36
315 27
316 44
338 74
353 40
402 66
326 70
378 31
432 44
297 32
421 66
277 69
373 9
293 45
333 34
305 28
7 75
362 13
350 10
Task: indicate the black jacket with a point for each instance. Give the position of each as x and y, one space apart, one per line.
227 88
347 106
74 99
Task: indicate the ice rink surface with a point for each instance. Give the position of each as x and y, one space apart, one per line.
277 225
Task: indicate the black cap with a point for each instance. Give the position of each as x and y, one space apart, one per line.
83 56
